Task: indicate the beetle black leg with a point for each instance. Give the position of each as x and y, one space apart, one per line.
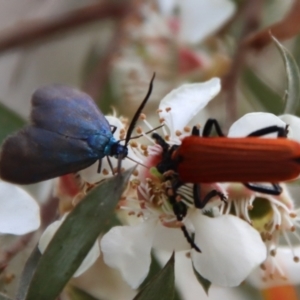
282 132
200 203
195 131
190 239
160 141
180 211
210 123
275 190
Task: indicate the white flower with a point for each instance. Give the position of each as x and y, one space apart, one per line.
294 126
255 121
227 243
274 217
178 107
198 18
19 212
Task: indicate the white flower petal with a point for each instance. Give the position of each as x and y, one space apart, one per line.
291 270
294 126
40 191
127 248
170 239
254 121
185 102
166 7
19 212
230 247
91 174
200 18
88 261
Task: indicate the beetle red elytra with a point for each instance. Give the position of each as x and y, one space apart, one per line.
250 160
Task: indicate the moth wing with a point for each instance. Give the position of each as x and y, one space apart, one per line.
67 111
34 154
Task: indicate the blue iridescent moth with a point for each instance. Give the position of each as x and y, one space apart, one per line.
67 133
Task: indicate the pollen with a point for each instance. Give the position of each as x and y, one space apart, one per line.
161 120
105 172
178 133
139 130
122 131
135 173
135 183
296 259
9 278
168 109
263 267
170 192
178 198
159 111
133 144
143 116
167 138
144 147
187 129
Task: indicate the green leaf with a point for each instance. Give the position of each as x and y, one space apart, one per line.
4 297
9 122
75 238
162 286
204 282
293 79
28 273
270 100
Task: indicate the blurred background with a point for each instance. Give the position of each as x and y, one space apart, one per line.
110 49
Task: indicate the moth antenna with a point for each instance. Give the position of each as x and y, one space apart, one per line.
138 136
137 162
138 112
110 164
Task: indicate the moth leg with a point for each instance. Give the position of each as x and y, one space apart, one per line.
207 129
110 165
99 166
113 128
200 203
275 190
281 132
